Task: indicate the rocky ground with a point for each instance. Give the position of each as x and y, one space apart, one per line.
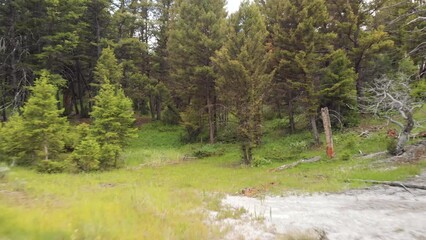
378 212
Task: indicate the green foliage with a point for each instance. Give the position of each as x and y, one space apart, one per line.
242 64
208 151
42 122
338 91
193 125
228 133
13 141
392 146
112 117
112 123
86 155
171 116
50 166
109 157
40 132
346 156
419 90
260 162
107 69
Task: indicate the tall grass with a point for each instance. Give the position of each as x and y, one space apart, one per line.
167 196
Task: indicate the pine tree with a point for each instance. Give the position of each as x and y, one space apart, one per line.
196 33
302 42
242 64
107 69
43 124
359 34
337 90
112 113
112 123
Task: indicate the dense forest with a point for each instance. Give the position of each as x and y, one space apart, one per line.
191 63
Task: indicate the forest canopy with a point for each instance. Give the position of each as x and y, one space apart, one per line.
191 63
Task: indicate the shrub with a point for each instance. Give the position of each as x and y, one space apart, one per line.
171 116
346 156
260 161
299 147
49 166
86 155
391 146
228 134
207 151
13 141
109 156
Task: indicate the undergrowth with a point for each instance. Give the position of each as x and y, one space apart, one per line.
166 186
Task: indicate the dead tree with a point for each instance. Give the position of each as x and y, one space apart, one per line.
327 129
389 97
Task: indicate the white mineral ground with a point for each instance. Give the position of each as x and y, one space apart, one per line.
379 212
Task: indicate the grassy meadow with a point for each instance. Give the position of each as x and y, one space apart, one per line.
163 191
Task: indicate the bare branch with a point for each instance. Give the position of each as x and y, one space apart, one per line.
416 19
395 122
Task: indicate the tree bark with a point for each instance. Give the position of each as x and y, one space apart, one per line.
405 134
46 152
158 107
4 113
247 153
211 124
327 129
152 107
292 124
314 127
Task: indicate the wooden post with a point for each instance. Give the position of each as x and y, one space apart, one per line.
328 135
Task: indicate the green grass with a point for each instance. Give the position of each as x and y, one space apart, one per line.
167 196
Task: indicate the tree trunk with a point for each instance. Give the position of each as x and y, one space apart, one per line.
314 127
68 101
4 113
292 124
405 134
247 153
158 107
327 129
46 152
152 107
211 124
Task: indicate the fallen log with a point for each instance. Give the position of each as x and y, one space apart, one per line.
392 184
373 155
292 165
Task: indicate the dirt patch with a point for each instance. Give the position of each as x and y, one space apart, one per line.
379 212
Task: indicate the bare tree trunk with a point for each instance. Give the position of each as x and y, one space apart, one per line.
405 134
46 152
328 135
314 127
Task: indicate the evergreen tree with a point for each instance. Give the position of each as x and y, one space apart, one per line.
358 33
107 69
42 122
337 90
112 123
14 141
112 112
196 33
302 42
242 64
